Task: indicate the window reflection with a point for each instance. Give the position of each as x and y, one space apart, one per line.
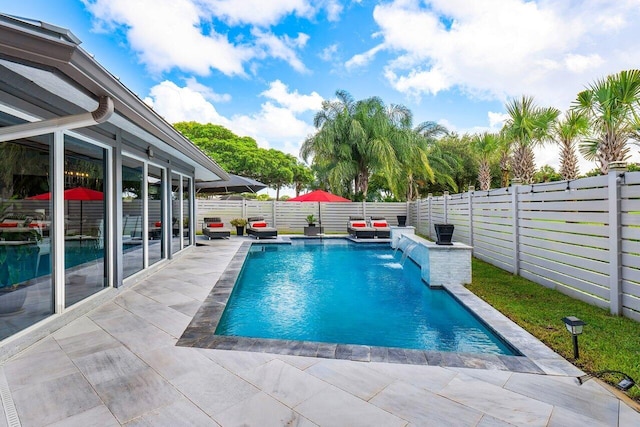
176 184
132 216
84 219
155 221
186 211
26 291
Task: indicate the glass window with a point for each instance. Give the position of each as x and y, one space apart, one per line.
26 287
186 210
132 216
176 184
85 219
155 182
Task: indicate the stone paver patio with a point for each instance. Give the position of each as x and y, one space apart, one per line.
119 365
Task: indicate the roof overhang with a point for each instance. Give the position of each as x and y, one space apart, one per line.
52 58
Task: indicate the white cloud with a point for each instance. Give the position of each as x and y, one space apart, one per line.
495 49
329 53
265 13
169 34
206 91
363 59
276 125
282 47
293 101
496 120
178 104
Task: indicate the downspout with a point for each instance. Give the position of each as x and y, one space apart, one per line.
26 130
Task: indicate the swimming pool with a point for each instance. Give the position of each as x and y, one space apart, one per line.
335 291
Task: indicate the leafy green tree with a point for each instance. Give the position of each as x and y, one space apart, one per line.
527 126
546 174
612 106
242 156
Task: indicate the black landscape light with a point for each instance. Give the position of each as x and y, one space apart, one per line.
574 325
624 384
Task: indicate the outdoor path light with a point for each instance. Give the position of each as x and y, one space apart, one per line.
574 325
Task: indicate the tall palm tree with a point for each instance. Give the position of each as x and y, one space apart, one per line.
414 158
527 126
485 146
612 105
358 138
567 132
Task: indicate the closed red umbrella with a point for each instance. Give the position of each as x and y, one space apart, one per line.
319 196
76 193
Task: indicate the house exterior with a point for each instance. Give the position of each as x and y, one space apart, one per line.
96 189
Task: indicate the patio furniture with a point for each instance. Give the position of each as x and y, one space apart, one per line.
358 228
213 227
380 224
258 228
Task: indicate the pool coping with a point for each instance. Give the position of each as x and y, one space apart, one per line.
536 357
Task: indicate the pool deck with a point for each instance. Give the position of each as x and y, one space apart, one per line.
119 365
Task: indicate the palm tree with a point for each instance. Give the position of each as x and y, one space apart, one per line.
413 155
612 105
527 126
485 146
358 138
567 131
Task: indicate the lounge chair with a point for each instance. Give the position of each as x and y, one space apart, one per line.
358 228
380 224
257 227
213 227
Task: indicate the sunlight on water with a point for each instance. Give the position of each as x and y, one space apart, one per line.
340 292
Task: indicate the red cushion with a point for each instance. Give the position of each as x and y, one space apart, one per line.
37 225
259 224
215 225
158 224
358 224
380 224
8 224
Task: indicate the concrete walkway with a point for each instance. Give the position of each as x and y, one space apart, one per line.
119 365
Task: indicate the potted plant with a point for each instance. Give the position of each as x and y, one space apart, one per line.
444 233
311 220
239 223
312 229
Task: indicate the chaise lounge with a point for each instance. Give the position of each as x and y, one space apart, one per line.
257 227
380 224
214 228
358 228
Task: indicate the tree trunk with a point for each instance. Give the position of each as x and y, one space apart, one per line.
523 163
568 160
484 175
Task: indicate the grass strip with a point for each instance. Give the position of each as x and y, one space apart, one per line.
607 343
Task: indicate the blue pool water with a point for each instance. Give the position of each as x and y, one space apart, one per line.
340 292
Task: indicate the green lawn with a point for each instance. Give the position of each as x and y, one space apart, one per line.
608 342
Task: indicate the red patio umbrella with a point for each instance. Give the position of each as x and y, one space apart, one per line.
319 196
77 193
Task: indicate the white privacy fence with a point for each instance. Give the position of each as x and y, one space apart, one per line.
580 237
291 216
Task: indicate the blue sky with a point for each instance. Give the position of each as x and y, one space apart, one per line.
262 67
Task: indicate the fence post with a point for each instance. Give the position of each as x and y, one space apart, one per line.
430 200
417 204
244 208
445 204
616 172
364 209
515 183
471 190
273 211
